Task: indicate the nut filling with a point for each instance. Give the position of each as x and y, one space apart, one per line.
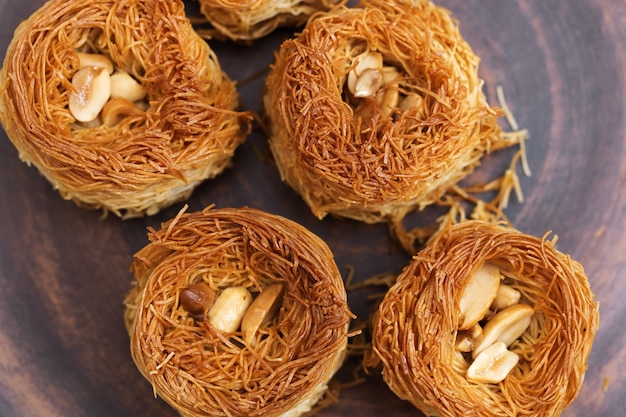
103 94
491 319
233 309
373 86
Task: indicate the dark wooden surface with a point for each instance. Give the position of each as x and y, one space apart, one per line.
64 271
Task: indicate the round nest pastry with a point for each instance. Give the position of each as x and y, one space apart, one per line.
252 19
376 110
119 104
237 312
486 321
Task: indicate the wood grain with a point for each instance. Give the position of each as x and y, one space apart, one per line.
64 271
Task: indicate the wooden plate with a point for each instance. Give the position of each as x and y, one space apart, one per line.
64 271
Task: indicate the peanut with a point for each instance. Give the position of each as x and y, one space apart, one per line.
92 91
368 83
123 85
505 297
413 101
197 299
367 60
229 309
478 295
463 343
492 365
389 100
466 340
95 60
505 326
260 312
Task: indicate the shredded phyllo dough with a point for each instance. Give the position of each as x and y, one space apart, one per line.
155 148
481 209
417 327
252 19
202 371
378 110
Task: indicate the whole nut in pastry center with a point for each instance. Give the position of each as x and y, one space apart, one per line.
92 91
391 96
365 61
478 295
506 297
413 101
506 327
368 83
229 309
197 299
492 365
260 311
370 79
95 60
466 340
123 85
463 343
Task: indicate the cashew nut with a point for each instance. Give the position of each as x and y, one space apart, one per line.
123 85
492 365
197 299
478 295
92 90
260 312
116 109
505 326
95 60
229 309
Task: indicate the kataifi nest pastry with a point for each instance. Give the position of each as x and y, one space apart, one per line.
487 321
237 312
119 104
376 110
248 20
